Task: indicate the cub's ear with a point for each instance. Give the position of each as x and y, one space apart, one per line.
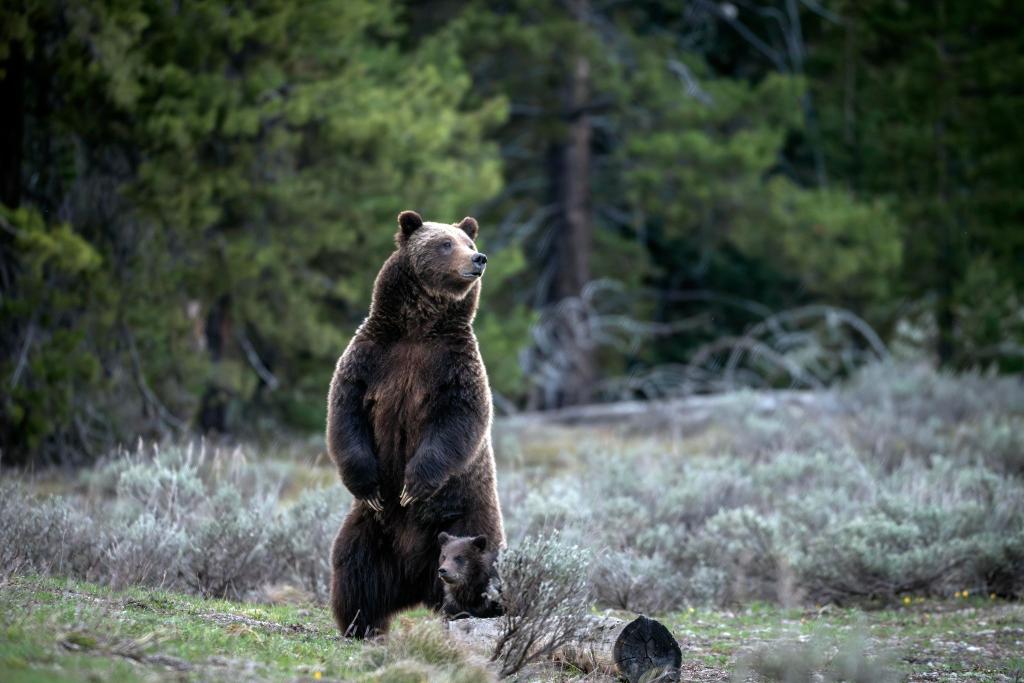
443 538
480 543
408 223
469 225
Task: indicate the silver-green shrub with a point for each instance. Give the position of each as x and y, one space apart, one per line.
742 547
229 553
146 551
182 517
301 535
907 481
647 584
48 535
545 596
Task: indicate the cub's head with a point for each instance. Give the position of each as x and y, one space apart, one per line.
462 559
443 256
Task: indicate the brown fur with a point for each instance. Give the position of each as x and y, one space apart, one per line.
467 568
409 411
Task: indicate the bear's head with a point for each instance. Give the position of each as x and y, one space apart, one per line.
443 256
463 559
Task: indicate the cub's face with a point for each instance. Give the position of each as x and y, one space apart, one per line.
443 256
461 558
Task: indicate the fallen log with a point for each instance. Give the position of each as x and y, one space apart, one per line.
607 644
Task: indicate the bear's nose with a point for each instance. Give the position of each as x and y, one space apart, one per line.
442 571
479 259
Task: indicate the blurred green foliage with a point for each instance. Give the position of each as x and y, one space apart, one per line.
919 103
213 191
198 195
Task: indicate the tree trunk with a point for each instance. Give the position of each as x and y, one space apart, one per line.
213 406
12 122
576 243
609 645
569 170
951 226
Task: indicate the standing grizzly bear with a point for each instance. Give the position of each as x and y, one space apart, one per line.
408 425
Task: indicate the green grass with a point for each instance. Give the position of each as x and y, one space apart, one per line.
981 639
61 630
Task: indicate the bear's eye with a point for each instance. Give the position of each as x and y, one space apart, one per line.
446 245
460 561
442 558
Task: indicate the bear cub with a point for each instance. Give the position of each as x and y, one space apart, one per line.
467 569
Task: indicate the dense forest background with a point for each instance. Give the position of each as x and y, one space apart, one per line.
197 196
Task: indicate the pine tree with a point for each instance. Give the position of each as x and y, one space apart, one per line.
236 172
919 104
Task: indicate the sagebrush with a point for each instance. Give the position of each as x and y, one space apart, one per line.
183 517
905 482
544 593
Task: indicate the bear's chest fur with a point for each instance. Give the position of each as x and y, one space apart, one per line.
398 402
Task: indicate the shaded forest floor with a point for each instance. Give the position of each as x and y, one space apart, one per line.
59 630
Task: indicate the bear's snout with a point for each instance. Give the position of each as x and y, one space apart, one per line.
478 262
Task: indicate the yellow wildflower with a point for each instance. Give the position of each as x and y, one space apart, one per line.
317 675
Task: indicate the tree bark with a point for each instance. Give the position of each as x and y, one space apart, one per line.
949 262
12 129
213 406
12 125
574 249
569 167
609 645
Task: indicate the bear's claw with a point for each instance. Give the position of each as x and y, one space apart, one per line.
406 498
375 503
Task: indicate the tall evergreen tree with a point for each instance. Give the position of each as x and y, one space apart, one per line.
230 176
920 104
686 175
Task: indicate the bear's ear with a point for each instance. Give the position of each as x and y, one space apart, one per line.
469 225
408 223
443 538
480 543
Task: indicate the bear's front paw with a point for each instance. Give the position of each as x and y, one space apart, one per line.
375 502
411 494
416 490
423 477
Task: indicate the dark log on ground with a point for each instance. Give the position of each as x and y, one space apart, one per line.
628 649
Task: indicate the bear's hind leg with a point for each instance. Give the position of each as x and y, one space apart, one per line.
365 581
